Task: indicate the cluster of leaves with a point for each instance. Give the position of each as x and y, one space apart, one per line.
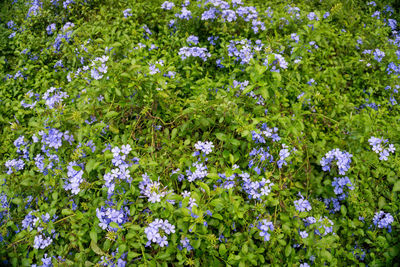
204 133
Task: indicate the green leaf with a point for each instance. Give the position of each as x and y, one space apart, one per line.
132 255
381 202
91 165
17 201
213 176
205 187
221 136
218 216
66 212
114 225
196 243
111 114
264 92
288 250
77 168
96 249
222 249
396 186
343 210
326 255
93 235
173 133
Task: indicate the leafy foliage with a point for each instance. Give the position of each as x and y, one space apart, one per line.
204 133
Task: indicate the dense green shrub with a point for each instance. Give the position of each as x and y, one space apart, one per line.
204 133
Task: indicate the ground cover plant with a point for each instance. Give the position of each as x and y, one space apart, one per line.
199 133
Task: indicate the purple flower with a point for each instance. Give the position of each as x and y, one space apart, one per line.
153 233
303 234
192 40
185 14
379 55
312 16
74 178
228 15
383 220
200 52
295 37
210 14
343 160
167 5
204 147
302 204
265 226
127 12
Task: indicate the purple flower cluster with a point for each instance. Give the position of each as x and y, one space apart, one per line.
265 226
279 61
75 173
54 96
323 224
228 15
152 190
41 241
295 37
121 172
392 24
14 165
35 6
107 215
185 14
302 204
29 95
199 173
65 35
210 14
283 154
99 69
242 86
260 156
127 12
30 222
185 244
204 147
312 16
383 220
21 146
340 184
343 159
113 261
11 25
155 236
335 204
378 55
255 189
222 9
167 5
67 3
51 28
192 40
381 147
212 39
45 260
194 51
243 50
226 182
4 207
53 139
